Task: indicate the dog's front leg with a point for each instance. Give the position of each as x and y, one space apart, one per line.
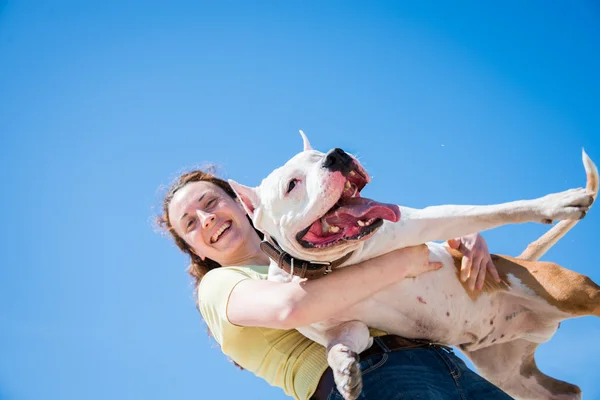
418 226
344 343
450 221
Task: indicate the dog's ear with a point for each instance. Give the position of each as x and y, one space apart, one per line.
247 195
306 142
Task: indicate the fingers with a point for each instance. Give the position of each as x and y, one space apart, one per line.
493 271
454 243
475 268
476 261
465 268
478 272
481 276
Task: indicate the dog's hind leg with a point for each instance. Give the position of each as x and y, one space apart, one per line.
571 293
511 366
574 293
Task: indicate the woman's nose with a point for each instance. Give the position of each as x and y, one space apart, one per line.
207 219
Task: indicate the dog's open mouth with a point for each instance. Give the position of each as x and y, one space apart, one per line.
352 218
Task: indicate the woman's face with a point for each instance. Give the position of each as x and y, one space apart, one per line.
212 223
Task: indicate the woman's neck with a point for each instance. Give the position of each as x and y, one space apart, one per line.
251 254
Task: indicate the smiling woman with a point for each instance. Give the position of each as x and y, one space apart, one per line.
195 195
253 319
212 223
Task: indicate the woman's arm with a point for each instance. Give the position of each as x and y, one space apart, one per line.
299 303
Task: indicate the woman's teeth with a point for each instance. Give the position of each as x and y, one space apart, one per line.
219 232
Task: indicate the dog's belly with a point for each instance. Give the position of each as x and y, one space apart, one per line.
435 306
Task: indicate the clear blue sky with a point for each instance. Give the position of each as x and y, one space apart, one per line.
102 103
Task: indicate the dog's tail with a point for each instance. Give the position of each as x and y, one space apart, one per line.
538 248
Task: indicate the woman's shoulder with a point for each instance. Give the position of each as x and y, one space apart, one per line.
220 281
251 271
214 291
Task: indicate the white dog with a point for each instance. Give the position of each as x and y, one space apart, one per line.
311 207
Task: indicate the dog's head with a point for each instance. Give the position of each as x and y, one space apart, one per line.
312 205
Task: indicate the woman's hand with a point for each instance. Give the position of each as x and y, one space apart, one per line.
476 260
414 260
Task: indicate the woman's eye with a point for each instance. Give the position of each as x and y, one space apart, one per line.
292 185
211 203
190 223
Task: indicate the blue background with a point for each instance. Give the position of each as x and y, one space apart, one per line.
101 103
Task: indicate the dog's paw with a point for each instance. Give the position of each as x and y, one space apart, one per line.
346 371
570 205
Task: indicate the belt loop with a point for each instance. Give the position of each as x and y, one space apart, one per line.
381 344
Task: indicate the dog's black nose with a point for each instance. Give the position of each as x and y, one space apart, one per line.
338 160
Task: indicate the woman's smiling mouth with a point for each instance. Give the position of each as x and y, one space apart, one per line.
217 235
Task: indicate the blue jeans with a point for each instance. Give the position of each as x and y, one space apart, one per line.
425 373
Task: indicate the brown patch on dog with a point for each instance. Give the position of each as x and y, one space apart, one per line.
566 290
489 285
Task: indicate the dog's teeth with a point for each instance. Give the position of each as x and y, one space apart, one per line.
324 226
352 173
361 223
347 185
334 229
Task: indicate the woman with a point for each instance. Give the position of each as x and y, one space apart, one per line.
254 319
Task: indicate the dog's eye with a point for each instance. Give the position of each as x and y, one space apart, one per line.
292 185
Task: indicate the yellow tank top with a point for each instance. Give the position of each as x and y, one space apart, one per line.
283 358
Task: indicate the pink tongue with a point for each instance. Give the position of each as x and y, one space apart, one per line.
355 208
